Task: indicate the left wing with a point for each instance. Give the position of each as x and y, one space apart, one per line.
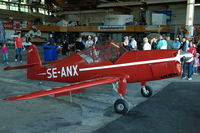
68 88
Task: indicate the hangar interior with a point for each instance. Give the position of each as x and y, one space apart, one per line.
58 25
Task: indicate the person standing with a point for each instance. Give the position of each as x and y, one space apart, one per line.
4 51
18 48
193 51
65 47
96 40
162 43
169 42
133 44
196 64
51 40
184 45
125 43
188 68
154 43
79 44
89 42
192 48
146 45
176 44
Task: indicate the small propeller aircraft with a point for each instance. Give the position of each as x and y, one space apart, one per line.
109 63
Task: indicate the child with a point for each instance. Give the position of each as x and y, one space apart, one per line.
196 64
4 51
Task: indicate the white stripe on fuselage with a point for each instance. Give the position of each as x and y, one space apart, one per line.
177 58
41 74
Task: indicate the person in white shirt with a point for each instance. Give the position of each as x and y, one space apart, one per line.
89 42
147 45
133 44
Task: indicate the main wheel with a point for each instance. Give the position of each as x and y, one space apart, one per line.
146 91
121 106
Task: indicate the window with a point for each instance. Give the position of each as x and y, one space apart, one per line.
24 8
3 5
14 7
41 10
45 12
34 10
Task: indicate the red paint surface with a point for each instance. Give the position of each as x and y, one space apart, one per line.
124 74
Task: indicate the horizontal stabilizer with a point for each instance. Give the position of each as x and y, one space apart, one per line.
68 88
49 62
19 67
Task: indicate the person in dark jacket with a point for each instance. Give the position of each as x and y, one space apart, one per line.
65 48
184 44
79 44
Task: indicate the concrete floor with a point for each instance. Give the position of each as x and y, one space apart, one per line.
88 112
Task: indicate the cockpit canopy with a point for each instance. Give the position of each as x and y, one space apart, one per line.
106 51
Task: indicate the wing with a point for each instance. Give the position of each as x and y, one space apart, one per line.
68 88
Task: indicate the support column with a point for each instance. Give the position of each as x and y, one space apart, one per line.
190 18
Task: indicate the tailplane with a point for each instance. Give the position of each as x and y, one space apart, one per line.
33 65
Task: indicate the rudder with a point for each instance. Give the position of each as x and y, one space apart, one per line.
33 58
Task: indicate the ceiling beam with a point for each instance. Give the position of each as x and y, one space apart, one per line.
83 12
148 2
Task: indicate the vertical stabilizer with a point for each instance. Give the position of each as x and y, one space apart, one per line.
33 58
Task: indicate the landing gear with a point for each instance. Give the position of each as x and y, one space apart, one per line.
146 91
121 106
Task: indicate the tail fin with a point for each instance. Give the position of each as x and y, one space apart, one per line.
33 58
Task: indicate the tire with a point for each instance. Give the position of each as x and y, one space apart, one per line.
121 106
147 92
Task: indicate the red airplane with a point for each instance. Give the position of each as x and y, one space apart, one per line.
104 64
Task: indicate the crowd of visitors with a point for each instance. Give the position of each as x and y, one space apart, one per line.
190 66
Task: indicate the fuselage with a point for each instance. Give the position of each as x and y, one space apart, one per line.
139 66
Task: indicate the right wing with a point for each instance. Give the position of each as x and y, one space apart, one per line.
68 88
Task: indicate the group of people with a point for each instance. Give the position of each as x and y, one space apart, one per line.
79 44
18 50
82 44
190 65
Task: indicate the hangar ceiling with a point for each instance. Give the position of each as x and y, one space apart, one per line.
71 5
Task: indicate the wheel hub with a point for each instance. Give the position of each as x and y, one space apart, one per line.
120 107
146 91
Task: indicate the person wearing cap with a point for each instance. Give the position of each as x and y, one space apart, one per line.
176 44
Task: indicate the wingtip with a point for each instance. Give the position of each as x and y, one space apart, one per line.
9 99
7 68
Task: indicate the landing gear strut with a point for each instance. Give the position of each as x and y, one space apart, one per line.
121 106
